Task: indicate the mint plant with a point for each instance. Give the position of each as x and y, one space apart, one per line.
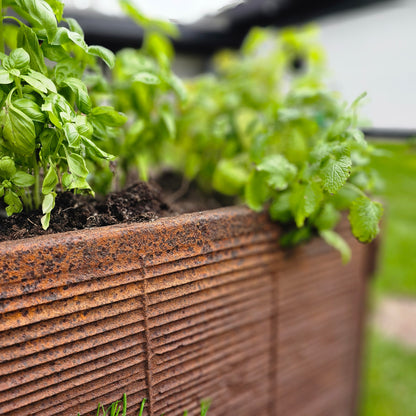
267 129
50 130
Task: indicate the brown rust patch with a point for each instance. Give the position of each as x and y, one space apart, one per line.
181 309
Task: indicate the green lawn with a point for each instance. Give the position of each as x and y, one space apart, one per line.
389 383
398 260
390 379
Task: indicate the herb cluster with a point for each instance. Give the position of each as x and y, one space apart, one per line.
50 131
263 126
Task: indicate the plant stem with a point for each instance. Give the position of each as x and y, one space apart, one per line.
36 196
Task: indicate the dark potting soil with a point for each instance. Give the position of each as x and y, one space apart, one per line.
140 202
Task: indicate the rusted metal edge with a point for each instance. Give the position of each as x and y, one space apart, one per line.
73 251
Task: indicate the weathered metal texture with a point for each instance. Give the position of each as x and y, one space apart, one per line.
203 305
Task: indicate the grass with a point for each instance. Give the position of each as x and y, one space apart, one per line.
389 386
397 258
390 382
119 408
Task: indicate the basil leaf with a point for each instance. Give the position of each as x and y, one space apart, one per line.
50 180
18 59
7 167
108 116
5 77
82 98
19 131
105 54
30 108
39 82
28 40
39 14
77 165
146 78
72 135
63 36
14 204
95 150
23 179
48 203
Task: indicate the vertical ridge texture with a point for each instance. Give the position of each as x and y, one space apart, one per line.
201 306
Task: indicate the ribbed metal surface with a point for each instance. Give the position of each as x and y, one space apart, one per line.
179 310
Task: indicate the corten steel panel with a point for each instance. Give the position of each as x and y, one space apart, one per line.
199 306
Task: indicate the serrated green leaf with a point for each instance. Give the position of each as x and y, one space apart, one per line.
335 173
50 181
23 179
256 192
304 201
364 217
146 78
105 54
336 241
280 171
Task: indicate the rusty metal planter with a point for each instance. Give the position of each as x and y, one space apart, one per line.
204 305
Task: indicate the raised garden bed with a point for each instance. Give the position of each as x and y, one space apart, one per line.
198 306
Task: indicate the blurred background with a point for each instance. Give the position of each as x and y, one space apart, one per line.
370 46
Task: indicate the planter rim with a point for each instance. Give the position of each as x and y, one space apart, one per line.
118 229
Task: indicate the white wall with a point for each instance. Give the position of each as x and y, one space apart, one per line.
374 50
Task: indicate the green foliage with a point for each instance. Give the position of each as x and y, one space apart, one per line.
49 127
276 136
263 127
120 409
143 87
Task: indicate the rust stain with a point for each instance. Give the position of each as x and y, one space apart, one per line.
178 310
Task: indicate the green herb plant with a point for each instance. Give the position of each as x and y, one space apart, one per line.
120 409
50 130
264 127
144 87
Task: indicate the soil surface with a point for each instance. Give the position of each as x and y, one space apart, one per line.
169 195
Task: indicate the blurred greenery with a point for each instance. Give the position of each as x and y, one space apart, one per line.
397 265
389 383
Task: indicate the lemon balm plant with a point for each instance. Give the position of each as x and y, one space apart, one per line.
266 128
50 131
